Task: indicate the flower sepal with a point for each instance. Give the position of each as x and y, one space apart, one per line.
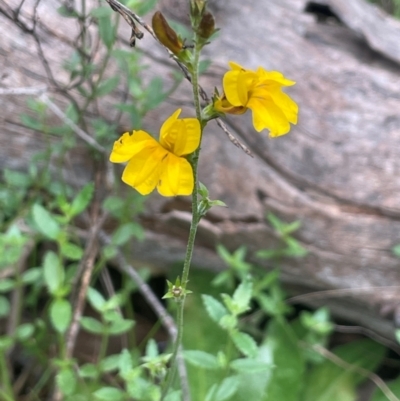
176 291
205 203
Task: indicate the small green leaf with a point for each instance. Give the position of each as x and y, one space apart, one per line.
396 250
242 295
109 394
120 326
96 299
143 7
60 314
53 272
45 222
244 343
92 325
24 331
71 251
66 381
106 31
125 362
249 365
89 371
4 306
82 200
107 86
214 308
32 275
151 349
201 359
17 179
223 391
110 363
7 284
67 12
125 232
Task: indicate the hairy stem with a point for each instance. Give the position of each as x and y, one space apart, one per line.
193 228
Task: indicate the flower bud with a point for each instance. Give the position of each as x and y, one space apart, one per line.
207 25
165 34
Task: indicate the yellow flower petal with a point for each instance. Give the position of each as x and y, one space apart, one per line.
237 85
181 137
128 145
273 76
144 170
267 115
176 177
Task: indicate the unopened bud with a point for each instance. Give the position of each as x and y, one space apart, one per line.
165 34
207 25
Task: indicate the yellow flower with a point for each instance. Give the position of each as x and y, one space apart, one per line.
159 164
260 91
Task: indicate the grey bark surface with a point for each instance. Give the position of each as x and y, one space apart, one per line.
337 171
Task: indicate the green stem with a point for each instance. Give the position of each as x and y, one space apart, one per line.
193 225
7 393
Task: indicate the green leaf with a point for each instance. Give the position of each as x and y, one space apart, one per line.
125 232
125 362
92 325
120 326
146 6
329 382
66 381
154 94
201 359
53 272
109 394
60 314
223 391
151 349
32 275
242 295
244 343
249 365
275 222
281 349
4 306
110 363
67 12
396 250
294 249
107 86
96 299
101 12
17 179
88 370
45 222
24 331
106 31
71 251
7 284
214 308
82 200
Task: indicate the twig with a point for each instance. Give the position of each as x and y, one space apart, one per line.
24 91
368 333
130 17
233 139
338 293
78 131
363 372
165 318
88 264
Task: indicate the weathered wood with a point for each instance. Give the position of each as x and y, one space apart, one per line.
337 171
